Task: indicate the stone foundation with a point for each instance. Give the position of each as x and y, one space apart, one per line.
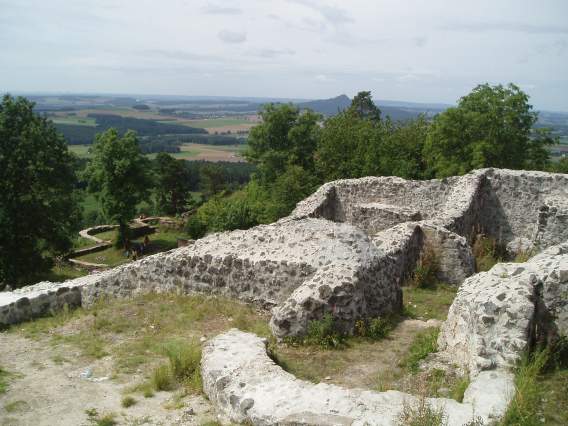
345 250
247 387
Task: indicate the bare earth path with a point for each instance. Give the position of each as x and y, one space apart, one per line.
46 388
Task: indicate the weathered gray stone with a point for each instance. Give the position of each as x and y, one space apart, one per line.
498 314
247 386
345 250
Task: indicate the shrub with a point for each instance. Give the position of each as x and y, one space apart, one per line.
323 333
374 328
425 274
195 228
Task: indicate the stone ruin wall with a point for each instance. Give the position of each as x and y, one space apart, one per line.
525 205
303 266
347 250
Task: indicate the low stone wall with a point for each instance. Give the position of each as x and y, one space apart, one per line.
332 255
505 204
246 386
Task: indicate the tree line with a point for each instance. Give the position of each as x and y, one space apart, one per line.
295 151
290 153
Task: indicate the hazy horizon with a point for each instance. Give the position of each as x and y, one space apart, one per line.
292 49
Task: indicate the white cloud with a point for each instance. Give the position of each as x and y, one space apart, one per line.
232 36
425 51
322 78
217 9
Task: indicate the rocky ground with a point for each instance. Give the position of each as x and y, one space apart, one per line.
76 368
58 386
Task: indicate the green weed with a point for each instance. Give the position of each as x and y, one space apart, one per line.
424 344
524 408
128 401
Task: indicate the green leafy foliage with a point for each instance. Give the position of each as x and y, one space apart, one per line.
323 333
490 127
38 208
173 184
374 328
119 175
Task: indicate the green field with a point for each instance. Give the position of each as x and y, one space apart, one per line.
75 121
81 151
210 123
164 239
189 151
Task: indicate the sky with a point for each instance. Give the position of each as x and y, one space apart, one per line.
411 50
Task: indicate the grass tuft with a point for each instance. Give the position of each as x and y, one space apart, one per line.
4 376
458 389
421 414
426 271
524 408
323 333
128 401
162 378
100 420
424 344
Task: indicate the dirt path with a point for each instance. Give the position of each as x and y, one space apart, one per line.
46 387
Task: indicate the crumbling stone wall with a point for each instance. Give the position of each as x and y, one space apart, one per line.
246 386
345 250
499 314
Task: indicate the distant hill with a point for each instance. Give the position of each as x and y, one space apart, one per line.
394 109
327 106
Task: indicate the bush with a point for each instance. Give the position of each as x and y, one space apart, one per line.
374 328
425 274
323 333
226 214
128 401
195 228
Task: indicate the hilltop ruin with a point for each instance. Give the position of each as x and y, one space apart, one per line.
345 251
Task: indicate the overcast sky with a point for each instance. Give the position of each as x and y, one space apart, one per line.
413 50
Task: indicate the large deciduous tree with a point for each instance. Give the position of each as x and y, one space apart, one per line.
118 174
38 210
350 141
173 184
282 147
490 127
286 137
